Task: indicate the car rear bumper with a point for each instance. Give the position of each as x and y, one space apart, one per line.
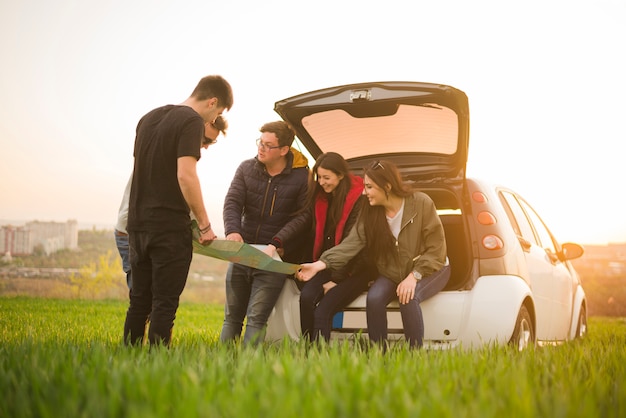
485 314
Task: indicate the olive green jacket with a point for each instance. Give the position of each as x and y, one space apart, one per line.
421 244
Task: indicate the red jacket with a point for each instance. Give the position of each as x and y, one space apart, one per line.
348 216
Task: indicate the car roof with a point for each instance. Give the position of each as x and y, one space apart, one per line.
422 127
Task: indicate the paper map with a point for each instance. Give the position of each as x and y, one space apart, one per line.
245 254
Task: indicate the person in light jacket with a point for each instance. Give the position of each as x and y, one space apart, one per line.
402 233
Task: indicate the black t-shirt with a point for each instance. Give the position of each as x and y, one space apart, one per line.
163 135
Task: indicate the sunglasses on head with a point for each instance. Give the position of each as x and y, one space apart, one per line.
376 165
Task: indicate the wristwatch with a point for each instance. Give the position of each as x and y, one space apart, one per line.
417 275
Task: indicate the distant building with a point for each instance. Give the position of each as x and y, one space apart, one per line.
604 260
50 236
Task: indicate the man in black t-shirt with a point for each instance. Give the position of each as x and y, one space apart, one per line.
165 188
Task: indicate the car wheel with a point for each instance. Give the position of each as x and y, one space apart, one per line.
581 329
524 332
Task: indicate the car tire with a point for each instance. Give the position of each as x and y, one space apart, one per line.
524 331
581 328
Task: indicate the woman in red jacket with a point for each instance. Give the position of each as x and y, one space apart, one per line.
335 197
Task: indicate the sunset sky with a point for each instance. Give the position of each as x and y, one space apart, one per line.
545 81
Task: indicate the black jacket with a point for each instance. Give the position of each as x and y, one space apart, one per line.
263 208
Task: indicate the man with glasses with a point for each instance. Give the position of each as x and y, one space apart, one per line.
212 130
164 189
263 206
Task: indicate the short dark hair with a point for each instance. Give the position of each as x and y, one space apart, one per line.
220 124
282 130
214 86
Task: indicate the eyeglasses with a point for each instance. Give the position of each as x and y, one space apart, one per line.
265 147
376 165
208 141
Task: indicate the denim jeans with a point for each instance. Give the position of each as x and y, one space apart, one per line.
250 294
121 240
160 263
317 309
383 291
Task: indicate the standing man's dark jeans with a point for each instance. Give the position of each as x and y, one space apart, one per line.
121 241
251 295
383 291
317 309
160 263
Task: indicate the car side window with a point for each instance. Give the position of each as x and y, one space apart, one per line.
518 218
543 234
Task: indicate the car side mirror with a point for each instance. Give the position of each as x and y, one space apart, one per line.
571 250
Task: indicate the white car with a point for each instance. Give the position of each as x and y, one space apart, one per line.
511 280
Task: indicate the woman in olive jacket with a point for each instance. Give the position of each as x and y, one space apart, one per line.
403 235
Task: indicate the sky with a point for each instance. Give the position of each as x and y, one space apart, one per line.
545 81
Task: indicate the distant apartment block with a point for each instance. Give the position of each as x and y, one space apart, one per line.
49 236
606 260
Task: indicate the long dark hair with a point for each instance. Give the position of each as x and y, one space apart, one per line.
337 164
380 241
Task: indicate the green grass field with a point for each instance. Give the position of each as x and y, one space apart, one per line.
64 358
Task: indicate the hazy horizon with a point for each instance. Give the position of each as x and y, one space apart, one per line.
82 226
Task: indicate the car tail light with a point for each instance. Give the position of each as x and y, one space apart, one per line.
492 242
486 218
479 197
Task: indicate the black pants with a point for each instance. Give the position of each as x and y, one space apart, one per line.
317 309
160 263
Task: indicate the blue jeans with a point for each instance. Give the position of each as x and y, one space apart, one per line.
160 263
317 309
121 240
250 294
383 291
